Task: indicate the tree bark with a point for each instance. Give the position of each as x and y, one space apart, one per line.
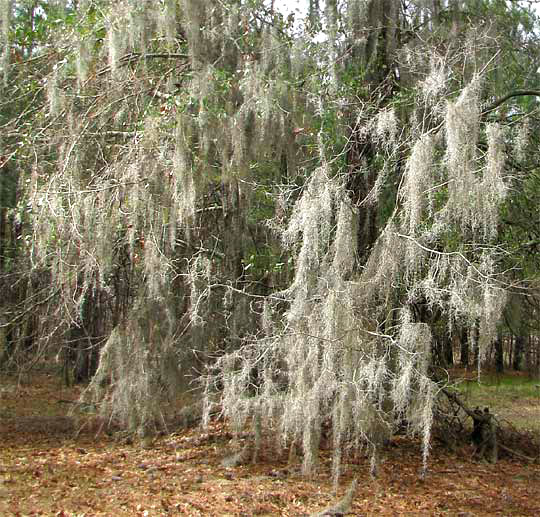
374 58
448 351
499 354
464 348
519 349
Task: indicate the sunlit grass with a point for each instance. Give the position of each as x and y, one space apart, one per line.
515 398
506 385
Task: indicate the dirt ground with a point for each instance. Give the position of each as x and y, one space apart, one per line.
55 464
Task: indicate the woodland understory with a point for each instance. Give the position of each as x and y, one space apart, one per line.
295 224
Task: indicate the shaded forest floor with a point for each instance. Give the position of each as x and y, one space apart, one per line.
52 463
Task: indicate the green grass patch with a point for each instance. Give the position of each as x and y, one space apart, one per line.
515 398
506 385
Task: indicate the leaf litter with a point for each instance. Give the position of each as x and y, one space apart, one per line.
52 464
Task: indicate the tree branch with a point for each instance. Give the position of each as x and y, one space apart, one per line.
454 397
135 56
515 93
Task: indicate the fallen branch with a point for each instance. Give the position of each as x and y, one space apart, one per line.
518 454
484 433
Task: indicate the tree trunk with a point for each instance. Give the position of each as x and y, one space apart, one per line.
519 349
373 59
476 347
3 238
499 354
81 358
448 351
464 348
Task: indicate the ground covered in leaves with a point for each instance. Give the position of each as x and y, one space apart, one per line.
55 463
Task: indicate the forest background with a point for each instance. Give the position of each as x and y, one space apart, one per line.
300 227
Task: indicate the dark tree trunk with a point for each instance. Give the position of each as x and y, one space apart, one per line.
464 347
499 354
519 349
8 347
448 351
3 238
373 59
81 358
476 348
530 357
